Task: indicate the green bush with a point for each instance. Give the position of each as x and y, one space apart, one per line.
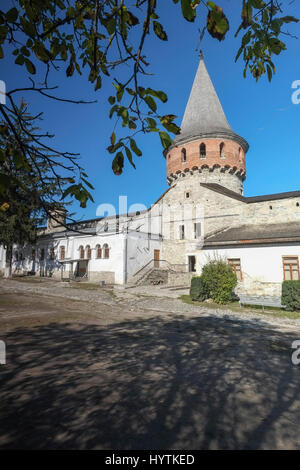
197 290
216 282
291 295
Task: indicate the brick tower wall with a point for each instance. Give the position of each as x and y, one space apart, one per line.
212 166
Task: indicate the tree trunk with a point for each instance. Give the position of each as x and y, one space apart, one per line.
8 265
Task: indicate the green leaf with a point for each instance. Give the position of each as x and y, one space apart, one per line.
151 103
87 183
118 163
289 19
217 24
20 60
41 52
159 31
129 156
188 12
152 123
30 67
98 83
113 110
113 148
28 27
70 70
92 75
111 100
135 148
18 159
172 127
132 125
25 51
257 3
113 138
12 15
270 73
165 139
246 38
132 20
161 95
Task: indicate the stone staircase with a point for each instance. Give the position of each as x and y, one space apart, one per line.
150 274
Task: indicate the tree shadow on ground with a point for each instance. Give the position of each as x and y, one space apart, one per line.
158 383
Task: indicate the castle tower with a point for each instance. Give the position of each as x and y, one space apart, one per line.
207 146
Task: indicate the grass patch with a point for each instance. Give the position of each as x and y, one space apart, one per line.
85 286
235 307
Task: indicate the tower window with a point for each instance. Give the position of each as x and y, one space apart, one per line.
187 195
183 155
192 264
222 150
202 151
197 230
181 232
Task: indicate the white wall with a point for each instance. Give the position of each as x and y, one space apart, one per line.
262 264
140 251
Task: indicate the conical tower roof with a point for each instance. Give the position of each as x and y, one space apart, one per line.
204 115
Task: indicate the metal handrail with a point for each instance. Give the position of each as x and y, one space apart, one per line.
171 267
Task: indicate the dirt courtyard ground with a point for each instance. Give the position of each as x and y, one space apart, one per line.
102 369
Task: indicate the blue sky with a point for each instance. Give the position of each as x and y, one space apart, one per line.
261 112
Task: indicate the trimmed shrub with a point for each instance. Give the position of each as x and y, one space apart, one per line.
197 290
291 295
219 281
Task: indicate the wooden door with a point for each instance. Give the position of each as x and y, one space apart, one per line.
156 258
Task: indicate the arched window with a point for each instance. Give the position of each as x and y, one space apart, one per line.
88 252
183 155
222 150
106 251
33 255
98 251
42 255
62 252
16 256
202 151
81 252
